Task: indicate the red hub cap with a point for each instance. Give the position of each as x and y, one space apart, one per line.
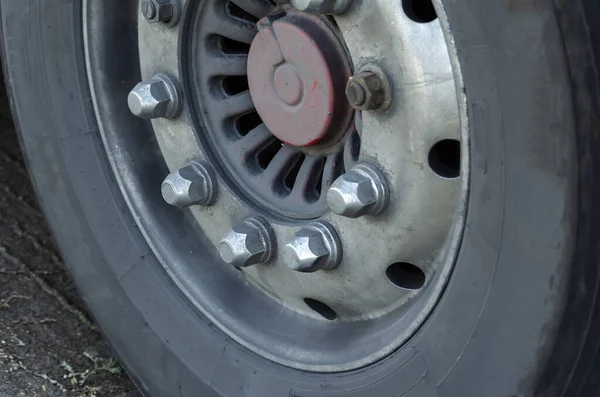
297 72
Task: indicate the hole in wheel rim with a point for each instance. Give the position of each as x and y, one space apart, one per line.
236 12
421 11
290 179
266 155
406 275
230 46
444 158
247 122
321 309
233 85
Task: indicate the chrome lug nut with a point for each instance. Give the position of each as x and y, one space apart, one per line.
160 96
361 191
322 6
165 11
195 184
314 247
249 243
370 89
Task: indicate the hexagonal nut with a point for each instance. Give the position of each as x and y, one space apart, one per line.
248 244
362 190
307 252
315 247
355 93
165 11
322 6
159 96
374 90
190 185
149 99
352 195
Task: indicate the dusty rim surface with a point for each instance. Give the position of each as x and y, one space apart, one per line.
47 341
312 273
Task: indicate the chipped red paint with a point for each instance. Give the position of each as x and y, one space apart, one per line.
312 143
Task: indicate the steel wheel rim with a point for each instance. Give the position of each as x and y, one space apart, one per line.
330 354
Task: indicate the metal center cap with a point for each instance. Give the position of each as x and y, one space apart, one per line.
288 84
297 72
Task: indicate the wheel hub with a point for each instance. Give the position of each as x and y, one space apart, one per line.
270 92
297 73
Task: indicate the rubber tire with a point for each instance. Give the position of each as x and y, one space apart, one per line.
519 317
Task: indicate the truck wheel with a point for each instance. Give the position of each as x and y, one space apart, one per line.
324 198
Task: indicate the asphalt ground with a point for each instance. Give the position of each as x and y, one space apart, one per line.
49 345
